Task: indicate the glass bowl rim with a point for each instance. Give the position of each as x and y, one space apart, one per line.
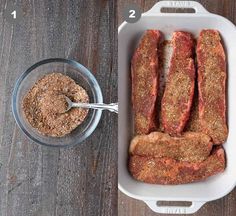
85 71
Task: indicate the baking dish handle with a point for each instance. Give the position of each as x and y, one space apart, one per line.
152 204
177 4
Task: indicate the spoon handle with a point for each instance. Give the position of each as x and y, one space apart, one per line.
112 107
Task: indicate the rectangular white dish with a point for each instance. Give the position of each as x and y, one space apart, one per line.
201 192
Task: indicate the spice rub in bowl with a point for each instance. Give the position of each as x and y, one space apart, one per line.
44 105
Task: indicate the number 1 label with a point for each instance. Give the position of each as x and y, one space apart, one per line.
14 14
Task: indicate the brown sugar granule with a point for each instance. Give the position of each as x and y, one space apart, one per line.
44 105
212 76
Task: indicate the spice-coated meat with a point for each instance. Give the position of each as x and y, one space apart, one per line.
189 147
211 85
193 122
179 90
169 171
144 70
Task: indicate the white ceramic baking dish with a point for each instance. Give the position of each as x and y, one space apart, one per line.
129 34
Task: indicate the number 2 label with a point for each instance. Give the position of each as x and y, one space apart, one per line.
14 14
132 14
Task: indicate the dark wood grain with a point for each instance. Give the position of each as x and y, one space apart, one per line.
225 206
41 181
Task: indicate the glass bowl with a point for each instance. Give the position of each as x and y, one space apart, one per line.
77 72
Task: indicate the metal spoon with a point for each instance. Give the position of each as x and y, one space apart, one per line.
113 107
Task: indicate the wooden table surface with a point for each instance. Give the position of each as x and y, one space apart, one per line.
225 206
42 181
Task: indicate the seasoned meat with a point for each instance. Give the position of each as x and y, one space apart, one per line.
211 85
144 70
193 122
169 171
179 90
189 147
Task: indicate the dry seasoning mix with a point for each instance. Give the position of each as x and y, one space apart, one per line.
44 105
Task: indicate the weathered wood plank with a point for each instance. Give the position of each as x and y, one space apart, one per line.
37 180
